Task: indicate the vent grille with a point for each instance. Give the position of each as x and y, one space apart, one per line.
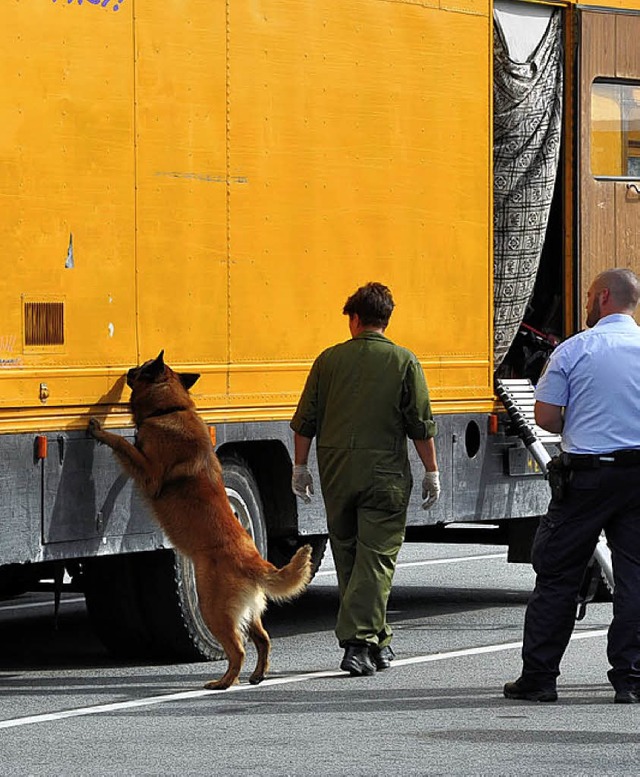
43 323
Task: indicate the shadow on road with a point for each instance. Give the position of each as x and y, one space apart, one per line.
317 609
32 640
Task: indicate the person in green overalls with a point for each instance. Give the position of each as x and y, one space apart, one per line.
361 401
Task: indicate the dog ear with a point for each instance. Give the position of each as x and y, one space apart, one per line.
150 370
188 378
156 367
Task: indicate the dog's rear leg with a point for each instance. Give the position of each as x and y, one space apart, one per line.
258 635
226 632
222 612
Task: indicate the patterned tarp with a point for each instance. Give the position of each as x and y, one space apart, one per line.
527 123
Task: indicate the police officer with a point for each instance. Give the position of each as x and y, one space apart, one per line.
361 400
590 393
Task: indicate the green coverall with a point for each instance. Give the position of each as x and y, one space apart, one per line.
361 400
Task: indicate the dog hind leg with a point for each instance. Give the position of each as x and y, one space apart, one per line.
224 609
225 630
260 638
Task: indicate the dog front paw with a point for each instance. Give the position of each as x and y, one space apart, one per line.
95 429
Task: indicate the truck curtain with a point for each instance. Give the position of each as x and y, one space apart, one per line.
527 97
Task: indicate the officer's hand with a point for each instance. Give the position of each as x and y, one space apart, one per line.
302 482
430 489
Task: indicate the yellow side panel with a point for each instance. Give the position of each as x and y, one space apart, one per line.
67 195
464 6
215 177
362 130
182 183
614 5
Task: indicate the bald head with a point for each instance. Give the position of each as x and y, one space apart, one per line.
613 291
624 288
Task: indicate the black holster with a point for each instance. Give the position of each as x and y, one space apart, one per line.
559 476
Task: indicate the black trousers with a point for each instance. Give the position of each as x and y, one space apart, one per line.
605 498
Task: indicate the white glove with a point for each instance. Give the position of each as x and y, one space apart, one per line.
302 482
430 489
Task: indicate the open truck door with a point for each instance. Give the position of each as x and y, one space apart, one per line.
608 146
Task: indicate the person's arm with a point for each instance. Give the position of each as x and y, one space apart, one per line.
301 480
301 448
304 424
421 429
415 405
427 452
552 391
426 449
548 416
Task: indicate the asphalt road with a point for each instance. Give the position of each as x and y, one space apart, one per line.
67 709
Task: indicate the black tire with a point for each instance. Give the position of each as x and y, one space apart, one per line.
172 614
145 605
187 637
16 579
244 496
111 593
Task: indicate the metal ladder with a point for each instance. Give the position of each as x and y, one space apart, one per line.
517 396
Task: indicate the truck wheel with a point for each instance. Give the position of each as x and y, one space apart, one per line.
170 601
187 637
244 497
111 593
15 580
145 605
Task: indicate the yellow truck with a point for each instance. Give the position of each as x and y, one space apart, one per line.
214 178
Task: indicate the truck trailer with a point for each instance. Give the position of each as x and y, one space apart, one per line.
214 178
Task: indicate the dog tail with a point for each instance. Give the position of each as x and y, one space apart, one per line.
291 580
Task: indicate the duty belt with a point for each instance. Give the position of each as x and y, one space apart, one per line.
624 458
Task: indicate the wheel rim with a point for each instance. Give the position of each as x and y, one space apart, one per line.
241 511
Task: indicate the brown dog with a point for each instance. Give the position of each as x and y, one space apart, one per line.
174 465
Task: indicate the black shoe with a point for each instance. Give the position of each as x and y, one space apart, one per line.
382 657
626 697
357 661
519 689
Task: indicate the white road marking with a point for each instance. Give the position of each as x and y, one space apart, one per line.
404 564
186 695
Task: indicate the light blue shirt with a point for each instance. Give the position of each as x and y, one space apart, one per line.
595 376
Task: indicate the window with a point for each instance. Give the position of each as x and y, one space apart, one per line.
615 129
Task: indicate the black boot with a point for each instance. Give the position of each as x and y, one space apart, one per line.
357 661
626 696
526 691
382 657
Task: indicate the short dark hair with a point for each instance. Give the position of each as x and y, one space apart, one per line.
372 303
